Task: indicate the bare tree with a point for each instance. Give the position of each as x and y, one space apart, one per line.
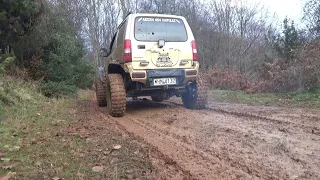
230 33
96 20
237 31
312 16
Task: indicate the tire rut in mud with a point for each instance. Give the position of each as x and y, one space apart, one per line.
226 166
198 160
306 128
199 164
234 159
206 153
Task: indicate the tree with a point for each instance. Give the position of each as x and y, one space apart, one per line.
45 41
312 16
288 42
16 19
57 54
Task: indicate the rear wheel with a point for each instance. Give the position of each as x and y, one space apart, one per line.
196 95
116 95
101 94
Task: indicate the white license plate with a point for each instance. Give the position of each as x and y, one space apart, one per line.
164 81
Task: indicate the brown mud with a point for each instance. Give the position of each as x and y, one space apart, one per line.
225 141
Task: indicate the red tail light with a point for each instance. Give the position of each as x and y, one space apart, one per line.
127 55
194 50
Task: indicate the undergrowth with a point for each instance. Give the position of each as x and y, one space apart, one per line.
306 99
26 125
61 138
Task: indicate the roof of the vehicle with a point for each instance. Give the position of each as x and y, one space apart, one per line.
156 15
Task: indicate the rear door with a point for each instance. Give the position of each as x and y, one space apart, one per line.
161 43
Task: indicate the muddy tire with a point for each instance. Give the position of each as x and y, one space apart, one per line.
101 94
157 98
196 95
116 95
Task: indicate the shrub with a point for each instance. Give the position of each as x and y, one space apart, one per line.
57 56
7 63
13 90
84 74
226 80
299 75
309 65
58 89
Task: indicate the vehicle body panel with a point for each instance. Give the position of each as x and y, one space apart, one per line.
148 55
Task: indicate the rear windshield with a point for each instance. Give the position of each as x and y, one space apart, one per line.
156 28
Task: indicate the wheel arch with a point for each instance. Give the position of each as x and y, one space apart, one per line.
115 69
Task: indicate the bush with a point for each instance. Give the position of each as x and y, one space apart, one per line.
56 54
226 80
13 90
84 74
7 63
299 75
50 51
309 65
58 89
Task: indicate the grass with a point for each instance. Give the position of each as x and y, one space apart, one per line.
307 99
26 127
39 137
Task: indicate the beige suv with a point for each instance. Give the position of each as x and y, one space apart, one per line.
150 55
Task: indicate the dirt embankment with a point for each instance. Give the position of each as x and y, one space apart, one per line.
226 141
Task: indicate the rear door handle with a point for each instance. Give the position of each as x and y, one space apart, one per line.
141 46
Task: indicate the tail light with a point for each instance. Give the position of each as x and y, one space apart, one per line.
127 51
194 50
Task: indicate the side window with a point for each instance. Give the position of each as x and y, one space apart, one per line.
121 33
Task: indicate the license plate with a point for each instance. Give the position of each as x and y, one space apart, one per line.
164 81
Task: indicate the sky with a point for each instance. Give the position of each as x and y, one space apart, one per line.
293 9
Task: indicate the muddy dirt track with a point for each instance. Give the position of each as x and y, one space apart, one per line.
227 141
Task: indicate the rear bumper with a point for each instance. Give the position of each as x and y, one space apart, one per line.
146 76
179 74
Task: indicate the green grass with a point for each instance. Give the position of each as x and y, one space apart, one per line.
307 99
40 136
28 121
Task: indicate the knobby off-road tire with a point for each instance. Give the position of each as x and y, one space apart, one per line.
101 93
116 95
196 95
